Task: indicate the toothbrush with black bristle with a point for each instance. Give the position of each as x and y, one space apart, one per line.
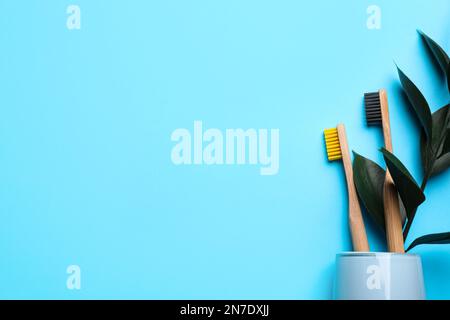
377 114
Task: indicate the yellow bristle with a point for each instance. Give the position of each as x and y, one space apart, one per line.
332 144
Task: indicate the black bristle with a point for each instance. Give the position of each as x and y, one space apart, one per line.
373 108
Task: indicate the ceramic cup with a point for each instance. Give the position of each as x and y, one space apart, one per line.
378 276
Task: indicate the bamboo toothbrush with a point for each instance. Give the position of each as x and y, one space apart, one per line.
337 148
377 113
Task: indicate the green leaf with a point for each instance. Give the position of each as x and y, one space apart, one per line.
407 187
438 53
435 153
418 102
369 180
446 145
448 77
436 238
441 164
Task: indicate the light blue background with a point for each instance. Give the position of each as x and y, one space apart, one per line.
85 123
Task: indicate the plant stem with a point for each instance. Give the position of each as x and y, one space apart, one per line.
428 173
424 182
413 214
408 225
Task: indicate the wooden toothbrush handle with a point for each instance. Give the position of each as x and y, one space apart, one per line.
392 216
356 222
386 123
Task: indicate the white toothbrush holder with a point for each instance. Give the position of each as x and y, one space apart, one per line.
378 276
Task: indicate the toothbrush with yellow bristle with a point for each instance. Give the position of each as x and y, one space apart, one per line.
337 148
